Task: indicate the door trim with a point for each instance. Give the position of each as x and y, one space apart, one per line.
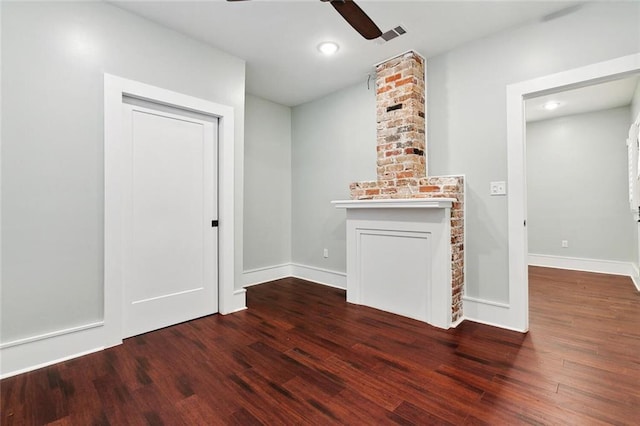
115 88
517 316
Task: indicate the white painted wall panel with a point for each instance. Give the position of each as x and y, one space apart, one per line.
396 269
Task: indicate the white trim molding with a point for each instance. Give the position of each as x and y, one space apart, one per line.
304 272
51 335
319 275
496 314
613 267
115 89
457 322
266 274
636 281
396 203
516 93
23 355
239 300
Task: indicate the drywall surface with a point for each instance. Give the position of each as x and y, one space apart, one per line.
53 59
267 184
577 186
334 144
635 103
466 118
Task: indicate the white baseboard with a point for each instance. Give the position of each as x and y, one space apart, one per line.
579 264
304 272
23 355
239 301
319 275
457 323
266 274
636 276
32 353
488 312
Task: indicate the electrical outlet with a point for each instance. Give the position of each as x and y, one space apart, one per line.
325 253
565 243
498 188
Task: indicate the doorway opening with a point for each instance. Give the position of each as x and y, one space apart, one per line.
580 215
517 315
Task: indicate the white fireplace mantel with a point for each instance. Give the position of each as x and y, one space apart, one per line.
399 256
398 203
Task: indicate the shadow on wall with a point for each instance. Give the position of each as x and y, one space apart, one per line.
437 148
336 229
481 243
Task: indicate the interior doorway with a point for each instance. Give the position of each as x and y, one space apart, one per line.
578 173
116 91
517 314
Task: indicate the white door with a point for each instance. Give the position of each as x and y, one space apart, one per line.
171 239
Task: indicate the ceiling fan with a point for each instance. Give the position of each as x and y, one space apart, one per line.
355 16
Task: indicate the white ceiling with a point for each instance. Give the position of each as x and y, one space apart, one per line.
278 39
611 94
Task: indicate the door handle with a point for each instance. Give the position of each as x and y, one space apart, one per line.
214 223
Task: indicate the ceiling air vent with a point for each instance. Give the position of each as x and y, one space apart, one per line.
391 34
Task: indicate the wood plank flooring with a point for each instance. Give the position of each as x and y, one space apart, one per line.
302 355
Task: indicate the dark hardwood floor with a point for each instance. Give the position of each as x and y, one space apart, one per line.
302 355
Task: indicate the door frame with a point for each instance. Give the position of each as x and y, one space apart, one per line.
115 88
517 315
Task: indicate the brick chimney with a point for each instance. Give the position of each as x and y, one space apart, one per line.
400 118
401 155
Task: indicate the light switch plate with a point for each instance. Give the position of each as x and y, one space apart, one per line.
498 188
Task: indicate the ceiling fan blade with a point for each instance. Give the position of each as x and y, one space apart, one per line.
356 17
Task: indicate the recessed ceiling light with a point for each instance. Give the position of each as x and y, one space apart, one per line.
551 105
328 48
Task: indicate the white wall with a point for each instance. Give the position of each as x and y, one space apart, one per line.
53 59
267 184
577 186
334 144
467 120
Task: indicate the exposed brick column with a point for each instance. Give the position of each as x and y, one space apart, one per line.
400 119
401 163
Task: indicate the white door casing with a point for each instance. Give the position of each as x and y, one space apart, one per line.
633 158
170 247
516 314
633 145
115 90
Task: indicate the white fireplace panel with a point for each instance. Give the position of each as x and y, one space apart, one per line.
399 256
393 271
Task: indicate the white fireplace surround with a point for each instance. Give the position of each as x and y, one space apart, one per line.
399 256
